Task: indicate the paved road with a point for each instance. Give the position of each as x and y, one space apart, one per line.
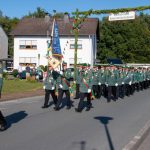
145 145
108 126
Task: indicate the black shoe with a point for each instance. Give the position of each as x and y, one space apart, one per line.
3 127
56 108
68 107
76 98
108 100
78 110
88 109
45 106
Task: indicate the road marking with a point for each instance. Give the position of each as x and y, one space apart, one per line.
138 139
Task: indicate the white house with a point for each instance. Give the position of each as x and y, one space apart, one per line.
31 35
3 44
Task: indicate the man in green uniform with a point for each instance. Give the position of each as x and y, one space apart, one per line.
77 81
112 83
85 90
63 83
50 86
3 122
95 82
102 80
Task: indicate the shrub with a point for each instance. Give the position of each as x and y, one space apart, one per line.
5 75
15 73
42 67
45 69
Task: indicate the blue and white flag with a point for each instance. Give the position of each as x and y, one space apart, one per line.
56 50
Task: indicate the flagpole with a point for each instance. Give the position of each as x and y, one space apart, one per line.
49 44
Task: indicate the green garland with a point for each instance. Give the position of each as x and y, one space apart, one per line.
106 11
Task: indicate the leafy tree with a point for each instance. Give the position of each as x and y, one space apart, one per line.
8 24
39 13
128 40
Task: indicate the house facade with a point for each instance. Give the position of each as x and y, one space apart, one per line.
31 36
3 44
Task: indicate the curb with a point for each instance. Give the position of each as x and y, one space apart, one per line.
139 138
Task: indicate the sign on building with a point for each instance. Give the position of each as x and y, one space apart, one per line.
122 16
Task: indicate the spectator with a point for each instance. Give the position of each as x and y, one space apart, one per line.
20 70
33 72
28 69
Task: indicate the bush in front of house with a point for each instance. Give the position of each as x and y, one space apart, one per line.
5 75
44 68
15 73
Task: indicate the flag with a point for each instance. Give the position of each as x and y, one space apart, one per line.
56 49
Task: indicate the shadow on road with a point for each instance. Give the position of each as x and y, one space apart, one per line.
15 117
82 145
64 103
105 121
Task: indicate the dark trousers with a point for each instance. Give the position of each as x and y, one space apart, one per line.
77 91
47 94
112 90
104 90
97 90
141 86
2 119
122 90
60 97
81 102
127 89
137 86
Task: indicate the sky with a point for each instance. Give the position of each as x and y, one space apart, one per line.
20 8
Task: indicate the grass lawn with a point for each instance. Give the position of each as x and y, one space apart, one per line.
17 86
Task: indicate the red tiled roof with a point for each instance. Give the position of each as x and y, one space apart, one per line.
40 26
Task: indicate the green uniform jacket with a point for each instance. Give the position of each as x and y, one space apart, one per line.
120 77
50 81
127 78
141 76
95 77
102 76
78 78
111 78
86 82
63 80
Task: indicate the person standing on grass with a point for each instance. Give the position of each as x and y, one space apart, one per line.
20 70
3 122
28 69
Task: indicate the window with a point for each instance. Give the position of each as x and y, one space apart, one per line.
29 60
72 46
71 60
28 44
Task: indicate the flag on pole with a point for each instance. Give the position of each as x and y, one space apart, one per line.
56 49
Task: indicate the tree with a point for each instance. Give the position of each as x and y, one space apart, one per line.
39 13
128 40
8 24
